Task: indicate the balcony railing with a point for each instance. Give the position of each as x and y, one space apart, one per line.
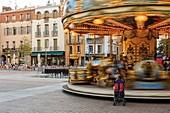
10 49
37 49
79 42
54 48
46 33
5 50
38 34
21 19
54 33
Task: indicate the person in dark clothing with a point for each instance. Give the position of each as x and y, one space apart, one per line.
148 71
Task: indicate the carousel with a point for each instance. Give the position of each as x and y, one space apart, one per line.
138 24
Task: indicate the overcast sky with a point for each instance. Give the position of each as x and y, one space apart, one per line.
22 3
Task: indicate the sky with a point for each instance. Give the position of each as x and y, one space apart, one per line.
23 3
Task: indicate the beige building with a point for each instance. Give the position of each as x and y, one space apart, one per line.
48 36
15 25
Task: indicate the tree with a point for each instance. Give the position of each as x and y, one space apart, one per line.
163 47
25 47
160 47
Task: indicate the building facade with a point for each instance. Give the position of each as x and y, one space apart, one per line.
81 47
48 36
15 25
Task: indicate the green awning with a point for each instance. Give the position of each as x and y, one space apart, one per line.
43 53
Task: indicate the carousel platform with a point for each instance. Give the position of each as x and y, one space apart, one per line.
107 92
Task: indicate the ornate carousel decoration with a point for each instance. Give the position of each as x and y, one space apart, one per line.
139 26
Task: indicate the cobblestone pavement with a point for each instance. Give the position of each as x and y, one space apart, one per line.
22 93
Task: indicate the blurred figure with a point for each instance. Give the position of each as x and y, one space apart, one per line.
123 68
148 69
165 64
92 67
130 63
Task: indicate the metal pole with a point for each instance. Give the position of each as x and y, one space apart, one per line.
84 50
68 56
111 45
94 44
45 57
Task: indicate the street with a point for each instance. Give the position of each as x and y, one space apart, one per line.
26 92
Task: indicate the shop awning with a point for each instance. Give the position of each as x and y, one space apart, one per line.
43 53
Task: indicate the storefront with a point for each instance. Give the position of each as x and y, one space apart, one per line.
50 58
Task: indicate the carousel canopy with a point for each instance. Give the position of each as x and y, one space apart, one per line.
114 16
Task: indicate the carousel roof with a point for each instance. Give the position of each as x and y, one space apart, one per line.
114 16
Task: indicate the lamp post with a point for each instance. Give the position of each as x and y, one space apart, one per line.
45 57
21 54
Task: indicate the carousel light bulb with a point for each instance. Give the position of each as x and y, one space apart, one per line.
91 36
71 26
98 21
141 18
66 30
74 33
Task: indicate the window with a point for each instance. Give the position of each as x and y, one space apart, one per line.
71 40
46 16
46 43
71 50
7 18
90 49
46 27
38 33
78 49
7 31
78 38
28 16
22 30
99 49
14 30
13 18
13 44
117 50
46 32
55 29
55 44
21 17
38 45
38 28
28 29
55 14
38 15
